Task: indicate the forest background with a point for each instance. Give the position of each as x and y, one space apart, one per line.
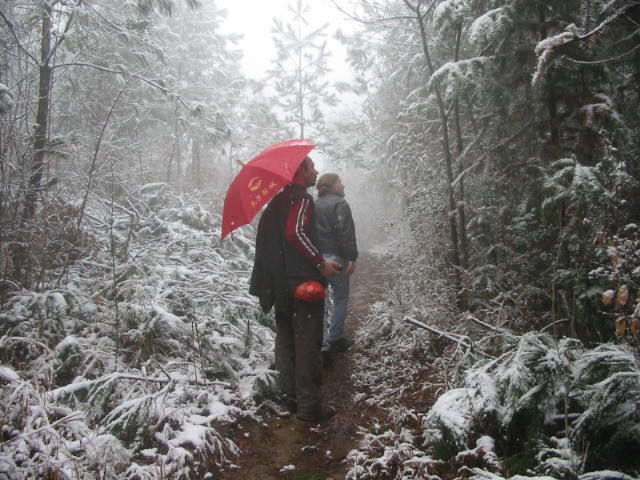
494 159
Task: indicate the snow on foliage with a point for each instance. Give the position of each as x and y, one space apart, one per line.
457 75
607 387
489 26
606 475
531 386
451 12
559 459
459 411
479 474
545 50
144 352
573 182
604 107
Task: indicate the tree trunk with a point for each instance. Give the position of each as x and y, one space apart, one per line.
448 158
462 218
42 115
460 148
551 94
196 160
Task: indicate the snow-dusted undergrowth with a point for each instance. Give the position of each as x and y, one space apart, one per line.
137 361
533 406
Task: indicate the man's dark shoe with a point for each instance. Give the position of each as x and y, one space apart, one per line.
341 345
290 405
327 359
322 416
280 404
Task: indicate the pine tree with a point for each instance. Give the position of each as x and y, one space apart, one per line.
299 71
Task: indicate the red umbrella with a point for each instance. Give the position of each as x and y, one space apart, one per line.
260 180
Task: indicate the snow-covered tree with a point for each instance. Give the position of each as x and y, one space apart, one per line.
299 71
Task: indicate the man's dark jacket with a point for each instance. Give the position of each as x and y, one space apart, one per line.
335 228
278 266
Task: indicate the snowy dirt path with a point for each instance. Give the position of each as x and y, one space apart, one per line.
286 448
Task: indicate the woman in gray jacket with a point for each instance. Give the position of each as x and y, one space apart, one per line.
336 237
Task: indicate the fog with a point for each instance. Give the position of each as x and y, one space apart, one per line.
489 152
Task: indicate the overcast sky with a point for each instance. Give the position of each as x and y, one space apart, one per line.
253 20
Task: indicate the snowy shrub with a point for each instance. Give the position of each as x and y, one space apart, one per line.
387 326
480 474
483 455
43 439
69 358
136 363
532 379
107 447
389 456
606 475
46 313
606 386
461 415
543 406
35 253
539 387
512 397
559 459
394 383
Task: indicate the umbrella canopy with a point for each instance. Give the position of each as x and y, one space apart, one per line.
259 180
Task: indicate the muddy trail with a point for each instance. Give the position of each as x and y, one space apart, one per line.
287 448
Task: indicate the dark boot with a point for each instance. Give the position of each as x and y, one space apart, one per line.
340 345
317 417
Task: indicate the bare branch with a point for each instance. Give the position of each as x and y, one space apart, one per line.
64 32
488 326
454 337
619 13
15 37
165 90
74 387
604 60
95 153
368 22
462 340
547 327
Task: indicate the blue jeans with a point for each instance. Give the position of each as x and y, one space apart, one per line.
334 329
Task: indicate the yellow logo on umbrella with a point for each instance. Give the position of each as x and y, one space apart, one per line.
254 184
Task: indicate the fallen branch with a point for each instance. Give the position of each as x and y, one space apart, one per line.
454 337
74 387
562 320
463 340
488 326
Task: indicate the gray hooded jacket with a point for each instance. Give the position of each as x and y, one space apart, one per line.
336 232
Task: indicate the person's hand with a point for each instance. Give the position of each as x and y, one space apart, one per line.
351 267
330 268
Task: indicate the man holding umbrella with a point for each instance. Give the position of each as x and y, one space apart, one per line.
290 273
